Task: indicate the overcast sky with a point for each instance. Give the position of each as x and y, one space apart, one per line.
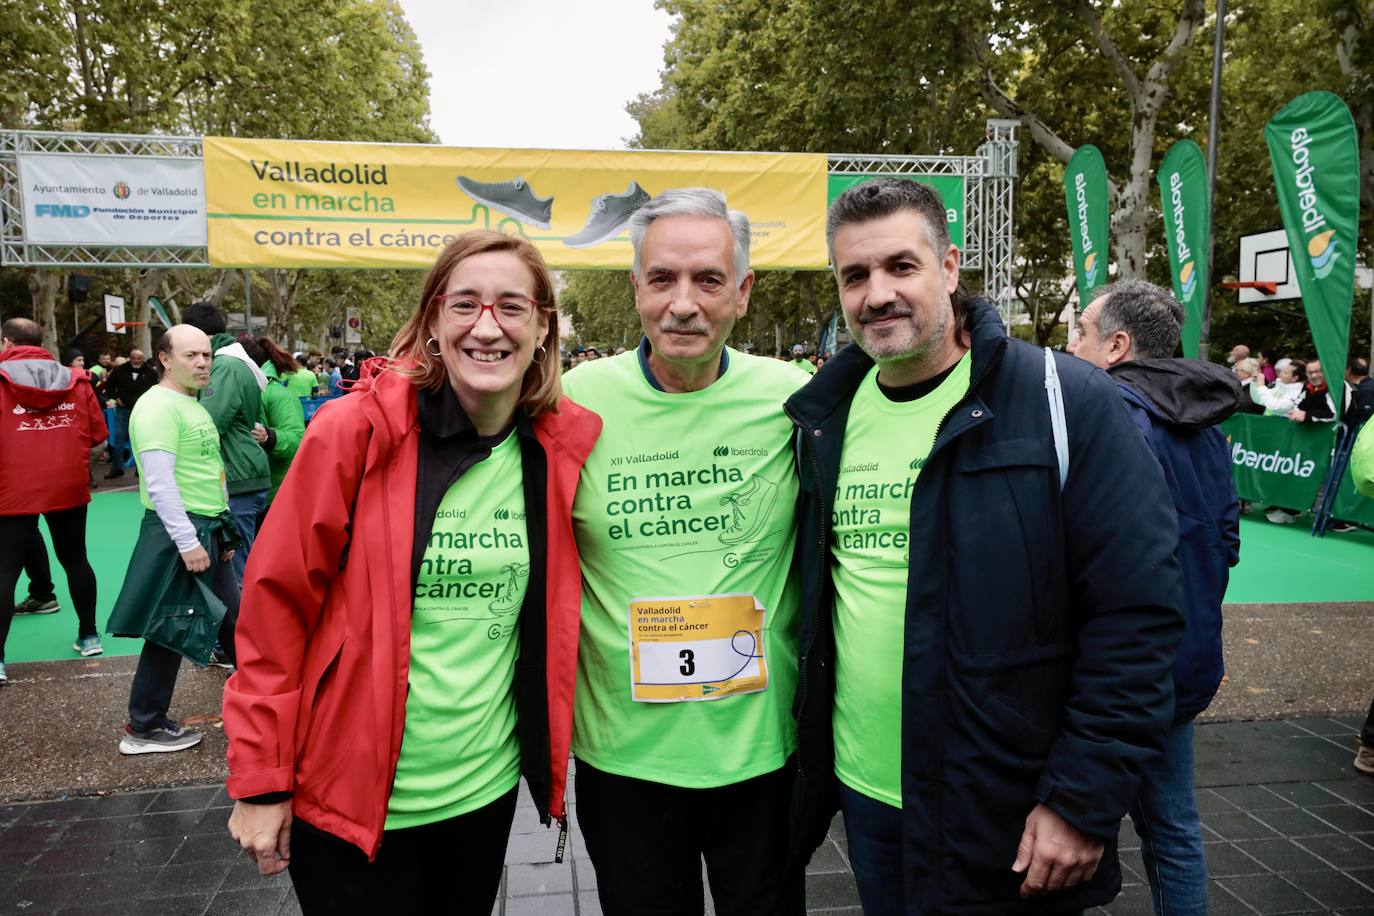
537 73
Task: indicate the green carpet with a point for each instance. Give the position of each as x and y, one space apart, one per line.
111 527
1279 564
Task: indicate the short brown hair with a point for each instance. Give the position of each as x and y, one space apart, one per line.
542 386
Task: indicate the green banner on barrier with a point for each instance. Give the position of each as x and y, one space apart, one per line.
1276 462
1350 506
1085 195
1183 198
951 188
1316 161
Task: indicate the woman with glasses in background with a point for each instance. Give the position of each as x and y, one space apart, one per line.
407 640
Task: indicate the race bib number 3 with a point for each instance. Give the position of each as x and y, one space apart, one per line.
696 648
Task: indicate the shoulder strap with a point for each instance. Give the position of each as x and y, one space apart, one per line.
1054 392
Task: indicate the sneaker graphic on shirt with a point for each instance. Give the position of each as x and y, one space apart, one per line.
514 198
749 508
608 215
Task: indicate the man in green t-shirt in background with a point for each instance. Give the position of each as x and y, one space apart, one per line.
187 524
685 522
801 362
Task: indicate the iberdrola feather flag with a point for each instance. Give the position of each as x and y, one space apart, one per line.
1183 198
1085 194
1316 158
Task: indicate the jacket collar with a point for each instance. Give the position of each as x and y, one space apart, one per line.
833 386
441 414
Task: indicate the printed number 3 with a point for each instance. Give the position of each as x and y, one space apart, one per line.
689 665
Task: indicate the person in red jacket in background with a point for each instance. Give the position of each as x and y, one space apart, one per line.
407 641
49 422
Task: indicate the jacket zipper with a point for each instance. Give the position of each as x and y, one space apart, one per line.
816 610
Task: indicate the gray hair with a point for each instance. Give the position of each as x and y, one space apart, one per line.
1148 313
881 197
706 202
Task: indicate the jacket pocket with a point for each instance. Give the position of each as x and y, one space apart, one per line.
1006 578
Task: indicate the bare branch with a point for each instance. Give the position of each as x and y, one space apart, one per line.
1188 22
1109 48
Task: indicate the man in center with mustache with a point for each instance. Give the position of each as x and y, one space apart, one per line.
685 521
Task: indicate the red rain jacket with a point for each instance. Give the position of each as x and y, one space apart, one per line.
317 706
49 422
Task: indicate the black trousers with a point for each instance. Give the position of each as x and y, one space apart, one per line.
449 867
68 528
39 571
646 841
155 679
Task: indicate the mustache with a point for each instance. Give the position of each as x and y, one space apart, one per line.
688 326
887 310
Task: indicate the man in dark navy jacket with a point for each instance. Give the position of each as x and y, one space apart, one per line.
1132 329
985 653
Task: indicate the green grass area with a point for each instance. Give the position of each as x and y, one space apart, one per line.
1280 564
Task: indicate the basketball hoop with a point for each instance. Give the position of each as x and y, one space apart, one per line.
1268 287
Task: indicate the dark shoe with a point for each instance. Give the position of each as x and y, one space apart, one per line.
34 606
1364 757
609 214
1339 527
165 739
514 198
114 472
220 659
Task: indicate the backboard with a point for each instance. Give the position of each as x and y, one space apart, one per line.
114 314
1265 256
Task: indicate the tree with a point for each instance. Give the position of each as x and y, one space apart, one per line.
305 69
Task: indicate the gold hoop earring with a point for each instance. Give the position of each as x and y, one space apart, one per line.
540 352
436 346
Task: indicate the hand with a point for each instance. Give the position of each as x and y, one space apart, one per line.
264 832
1054 855
226 556
1297 416
259 433
197 560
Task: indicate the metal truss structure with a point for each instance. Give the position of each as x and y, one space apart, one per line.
989 185
14 251
989 189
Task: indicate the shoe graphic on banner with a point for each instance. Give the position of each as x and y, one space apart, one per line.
609 214
514 198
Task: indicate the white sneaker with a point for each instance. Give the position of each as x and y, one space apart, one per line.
1279 517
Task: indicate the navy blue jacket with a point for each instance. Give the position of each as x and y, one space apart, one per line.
1040 627
1176 404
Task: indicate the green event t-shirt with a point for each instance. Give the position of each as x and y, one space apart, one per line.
805 365
684 495
459 751
885 445
164 420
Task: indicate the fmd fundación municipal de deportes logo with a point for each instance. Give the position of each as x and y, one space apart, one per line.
1322 247
121 190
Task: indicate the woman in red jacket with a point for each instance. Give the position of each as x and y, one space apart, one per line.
49 422
408 634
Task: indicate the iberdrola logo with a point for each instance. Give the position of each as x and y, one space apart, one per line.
1090 268
1321 247
1187 278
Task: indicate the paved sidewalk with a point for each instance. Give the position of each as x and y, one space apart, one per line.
1289 828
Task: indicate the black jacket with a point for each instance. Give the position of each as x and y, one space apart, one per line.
1176 404
128 384
1040 628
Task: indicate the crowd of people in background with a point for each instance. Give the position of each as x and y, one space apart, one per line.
1299 390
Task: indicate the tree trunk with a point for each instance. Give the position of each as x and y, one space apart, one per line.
43 289
146 284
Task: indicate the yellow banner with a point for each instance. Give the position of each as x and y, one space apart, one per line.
296 203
